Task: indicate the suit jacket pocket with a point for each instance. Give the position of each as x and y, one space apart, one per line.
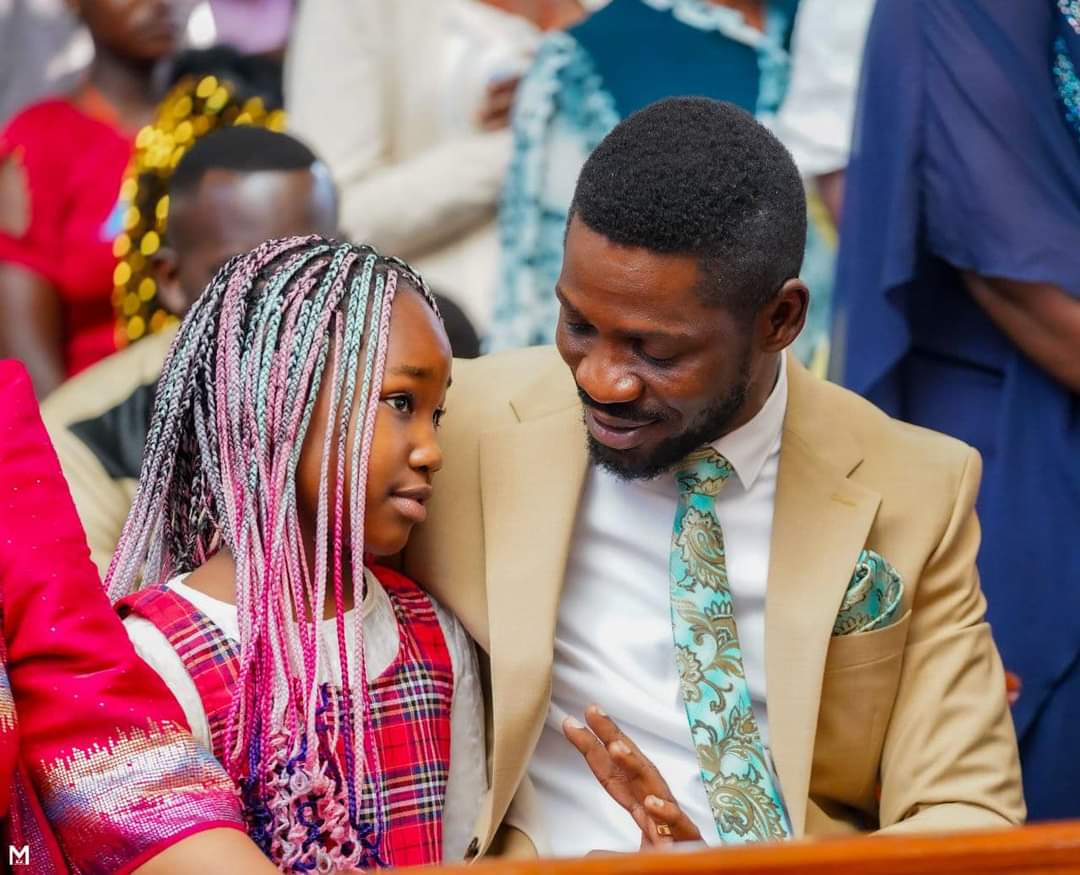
847 651
862 674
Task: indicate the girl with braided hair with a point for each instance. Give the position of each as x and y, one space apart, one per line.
293 442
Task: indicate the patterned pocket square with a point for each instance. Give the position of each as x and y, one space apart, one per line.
873 597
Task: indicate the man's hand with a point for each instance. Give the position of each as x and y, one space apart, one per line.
494 115
545 14
630 779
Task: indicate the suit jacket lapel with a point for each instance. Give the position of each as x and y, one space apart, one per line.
531 479
820 524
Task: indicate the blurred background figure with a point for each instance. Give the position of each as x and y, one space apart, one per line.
582 83
408 101
254 27
43 50
816 117
815 122
61 163
214 88
959 306
236 188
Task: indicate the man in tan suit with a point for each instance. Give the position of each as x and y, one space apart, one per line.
845 541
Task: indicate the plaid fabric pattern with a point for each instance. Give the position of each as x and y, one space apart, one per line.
410 723
410 708
209 657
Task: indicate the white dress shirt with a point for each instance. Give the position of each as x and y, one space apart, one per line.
467 781
613 639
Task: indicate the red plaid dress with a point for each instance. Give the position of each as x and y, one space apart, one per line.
410 706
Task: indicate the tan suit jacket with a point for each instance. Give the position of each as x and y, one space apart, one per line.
915 712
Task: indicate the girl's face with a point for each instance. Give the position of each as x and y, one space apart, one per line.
405 450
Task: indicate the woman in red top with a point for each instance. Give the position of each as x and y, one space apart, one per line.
61 165
98 773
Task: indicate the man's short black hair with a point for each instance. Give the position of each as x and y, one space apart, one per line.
243 149
694 176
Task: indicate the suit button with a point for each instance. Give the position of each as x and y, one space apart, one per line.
473 849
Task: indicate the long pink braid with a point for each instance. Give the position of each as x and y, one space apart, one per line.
361 458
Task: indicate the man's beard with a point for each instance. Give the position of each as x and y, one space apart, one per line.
714 422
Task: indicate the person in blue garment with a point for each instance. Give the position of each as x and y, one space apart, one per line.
958 298
581 84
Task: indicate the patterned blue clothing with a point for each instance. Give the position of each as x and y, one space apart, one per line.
579 87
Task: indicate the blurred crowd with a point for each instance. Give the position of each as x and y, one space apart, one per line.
146 142
408 107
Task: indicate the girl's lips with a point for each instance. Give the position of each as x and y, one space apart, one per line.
411 501
409 508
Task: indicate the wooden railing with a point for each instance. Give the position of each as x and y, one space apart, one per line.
1046 849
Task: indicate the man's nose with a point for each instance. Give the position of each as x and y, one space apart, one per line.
606 379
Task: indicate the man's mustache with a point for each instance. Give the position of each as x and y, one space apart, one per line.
623 410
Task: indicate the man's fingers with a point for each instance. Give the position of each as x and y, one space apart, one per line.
579 736
665 813
606 729
601 764
639 768
590 747
500 100
498 103
643 777
630 778
653 836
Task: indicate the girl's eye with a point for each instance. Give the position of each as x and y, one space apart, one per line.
400 403
438 417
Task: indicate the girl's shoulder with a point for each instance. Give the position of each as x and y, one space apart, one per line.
418 603
454 636
411 603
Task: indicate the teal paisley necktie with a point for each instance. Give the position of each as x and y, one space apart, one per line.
743 794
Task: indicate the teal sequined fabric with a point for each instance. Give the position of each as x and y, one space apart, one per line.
1066 54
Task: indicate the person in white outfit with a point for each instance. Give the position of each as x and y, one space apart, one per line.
408 102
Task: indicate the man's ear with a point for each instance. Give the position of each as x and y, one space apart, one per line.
781 320
165 265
